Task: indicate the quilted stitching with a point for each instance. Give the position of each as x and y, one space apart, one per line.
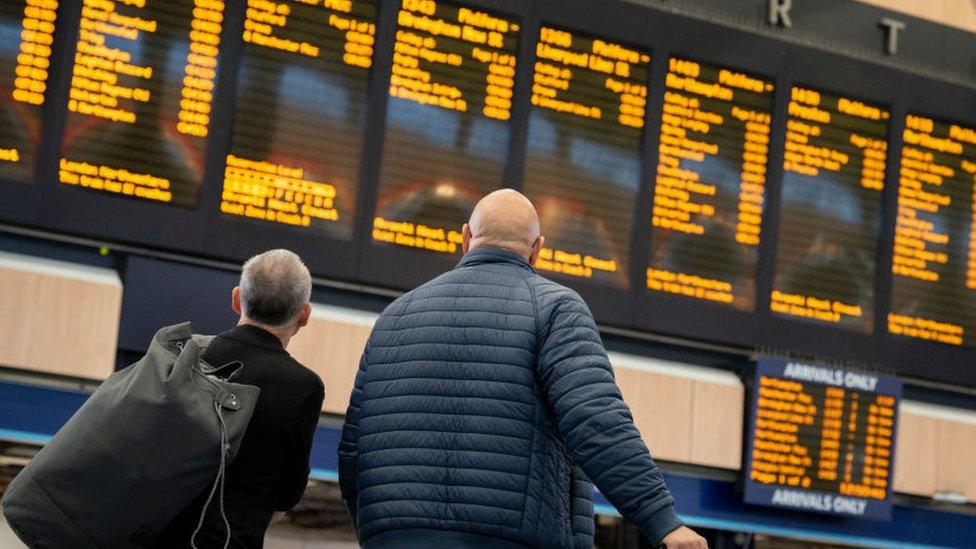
482 398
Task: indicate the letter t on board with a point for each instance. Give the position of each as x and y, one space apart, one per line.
892 28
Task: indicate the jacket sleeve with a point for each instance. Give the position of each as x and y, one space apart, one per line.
577 381
293 481
348 445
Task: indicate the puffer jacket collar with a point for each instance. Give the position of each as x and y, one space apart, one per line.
481 256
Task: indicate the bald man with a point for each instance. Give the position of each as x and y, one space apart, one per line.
485 403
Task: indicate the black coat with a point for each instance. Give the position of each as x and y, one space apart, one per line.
271 468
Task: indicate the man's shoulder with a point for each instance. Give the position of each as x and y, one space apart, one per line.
262 363
303 376
549 292
496 274
543 289
427 289
298 382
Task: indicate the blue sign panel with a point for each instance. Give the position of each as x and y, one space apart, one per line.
821 439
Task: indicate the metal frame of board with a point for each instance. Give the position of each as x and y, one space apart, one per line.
404 268
740 51
879 86
629 25
22 202
939 100
238 238
78 211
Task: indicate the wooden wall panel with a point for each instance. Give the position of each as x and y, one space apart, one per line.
75 327
955 13
936 450
685 413
717 424
17 290
331 345
957 458
661 405
58 317
915 454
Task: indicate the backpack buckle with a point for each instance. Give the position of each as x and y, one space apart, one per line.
229 401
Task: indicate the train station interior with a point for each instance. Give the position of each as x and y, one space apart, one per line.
769 207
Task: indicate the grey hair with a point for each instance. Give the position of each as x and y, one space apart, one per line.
275 286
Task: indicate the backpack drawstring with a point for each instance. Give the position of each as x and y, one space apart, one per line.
219 480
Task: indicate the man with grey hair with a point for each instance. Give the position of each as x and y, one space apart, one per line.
274 293
271 468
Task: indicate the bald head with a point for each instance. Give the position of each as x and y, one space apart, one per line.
505 219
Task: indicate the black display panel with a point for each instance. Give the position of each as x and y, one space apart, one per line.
26 43
347 148
447 131
300 114
709 192
830 215
933 294
582 168
140 98
821 439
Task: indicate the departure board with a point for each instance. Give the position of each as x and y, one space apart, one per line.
447 133
822 439
300 114
142 89
589 97
934 257
829 225
709 192
26 41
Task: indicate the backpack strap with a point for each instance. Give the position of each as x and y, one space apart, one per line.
226 372
221 401
203 341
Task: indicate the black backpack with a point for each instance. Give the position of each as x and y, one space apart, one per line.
152 438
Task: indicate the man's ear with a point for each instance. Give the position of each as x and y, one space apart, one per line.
466 238
305 315
235 300
536 248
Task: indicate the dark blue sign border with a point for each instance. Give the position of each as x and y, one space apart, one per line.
784 497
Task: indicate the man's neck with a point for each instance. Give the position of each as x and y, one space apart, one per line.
283 334
508 247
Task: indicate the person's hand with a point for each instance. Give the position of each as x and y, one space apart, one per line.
684 538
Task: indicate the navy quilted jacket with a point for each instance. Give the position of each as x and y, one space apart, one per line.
483 404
